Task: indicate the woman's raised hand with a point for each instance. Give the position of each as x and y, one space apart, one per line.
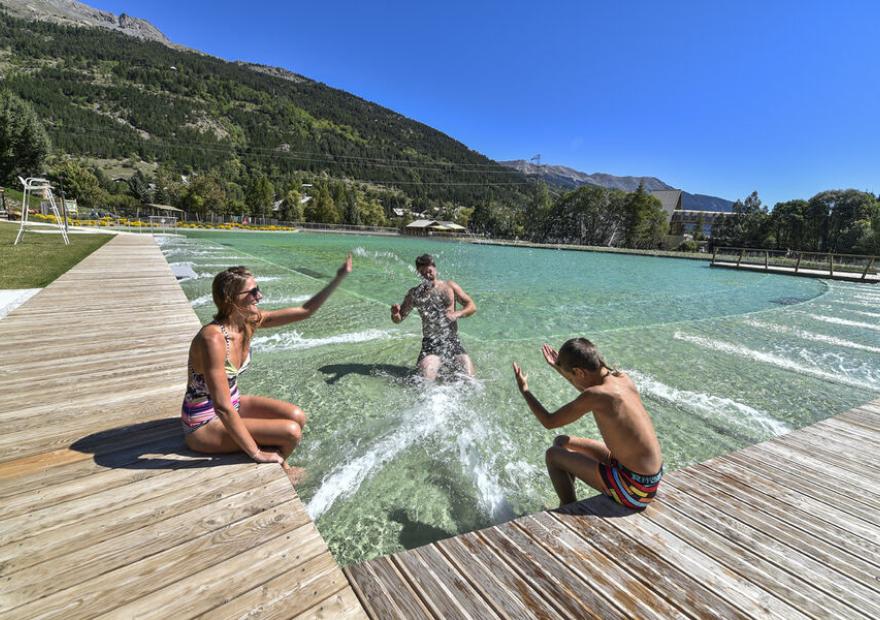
550 354
346 267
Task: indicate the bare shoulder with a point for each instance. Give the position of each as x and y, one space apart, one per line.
210 336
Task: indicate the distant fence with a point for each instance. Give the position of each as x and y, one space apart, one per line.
797 262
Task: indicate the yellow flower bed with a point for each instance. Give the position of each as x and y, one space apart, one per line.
109 221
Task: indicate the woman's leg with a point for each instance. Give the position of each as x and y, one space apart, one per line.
212 438
271 409
270 422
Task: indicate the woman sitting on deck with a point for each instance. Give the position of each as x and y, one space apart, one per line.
216 419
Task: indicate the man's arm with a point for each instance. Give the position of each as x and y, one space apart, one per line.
468 305
566 414
400 311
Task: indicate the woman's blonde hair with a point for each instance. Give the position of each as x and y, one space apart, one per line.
225 289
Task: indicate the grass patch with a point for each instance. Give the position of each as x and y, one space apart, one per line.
40 258
13 200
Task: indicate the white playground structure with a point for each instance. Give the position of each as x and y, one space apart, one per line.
42 188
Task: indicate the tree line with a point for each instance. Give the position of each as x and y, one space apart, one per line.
840 221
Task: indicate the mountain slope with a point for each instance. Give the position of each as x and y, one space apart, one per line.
73 13
107 95
566 178
569 178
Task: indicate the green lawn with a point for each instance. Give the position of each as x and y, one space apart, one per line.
40 258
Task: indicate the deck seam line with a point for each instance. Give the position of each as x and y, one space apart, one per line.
575 572
398 567
470 579
595 548
766 462
769 560
790 570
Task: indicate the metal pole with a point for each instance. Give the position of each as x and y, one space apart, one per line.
766 260
868 268
831 264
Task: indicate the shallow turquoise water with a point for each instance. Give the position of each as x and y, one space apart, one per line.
723 359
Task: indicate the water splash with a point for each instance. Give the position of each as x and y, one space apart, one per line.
806 335
431 412
491 494
203 300
838 321
293 340
723 413
775 360
290 300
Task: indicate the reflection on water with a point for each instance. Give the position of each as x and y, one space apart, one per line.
722 358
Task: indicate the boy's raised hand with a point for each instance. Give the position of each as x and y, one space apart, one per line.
550 354
522 379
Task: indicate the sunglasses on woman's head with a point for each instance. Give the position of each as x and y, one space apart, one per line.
252 292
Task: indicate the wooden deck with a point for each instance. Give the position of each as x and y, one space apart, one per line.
103 511
846 276
784 529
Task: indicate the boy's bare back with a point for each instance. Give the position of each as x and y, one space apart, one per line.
625 426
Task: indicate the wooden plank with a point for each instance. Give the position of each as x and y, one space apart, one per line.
112 553
201 592
49 468
702 566
805 459
547 574
829 448
605 575
144 576
835 591
91 506
789 457
510 596
644 563
292 592
385 593
213 486
721 540
341 606
836 553
842 425
822 503
155 460
448 591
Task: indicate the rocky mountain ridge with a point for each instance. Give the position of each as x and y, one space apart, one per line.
73 13
563 177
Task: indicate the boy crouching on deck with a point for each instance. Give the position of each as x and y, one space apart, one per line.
630 446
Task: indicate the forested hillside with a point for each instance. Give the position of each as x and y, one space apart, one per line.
106 95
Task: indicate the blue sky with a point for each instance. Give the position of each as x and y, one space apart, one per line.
718 98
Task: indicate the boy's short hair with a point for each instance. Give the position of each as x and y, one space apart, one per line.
580 353
424 261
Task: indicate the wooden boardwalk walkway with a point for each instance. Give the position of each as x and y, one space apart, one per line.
784 529
846 276
103 511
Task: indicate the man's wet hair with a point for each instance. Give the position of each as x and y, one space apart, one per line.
581 353
424 261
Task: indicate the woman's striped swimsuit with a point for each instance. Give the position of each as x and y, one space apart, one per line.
198 408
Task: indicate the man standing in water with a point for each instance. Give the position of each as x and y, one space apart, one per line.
436 300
